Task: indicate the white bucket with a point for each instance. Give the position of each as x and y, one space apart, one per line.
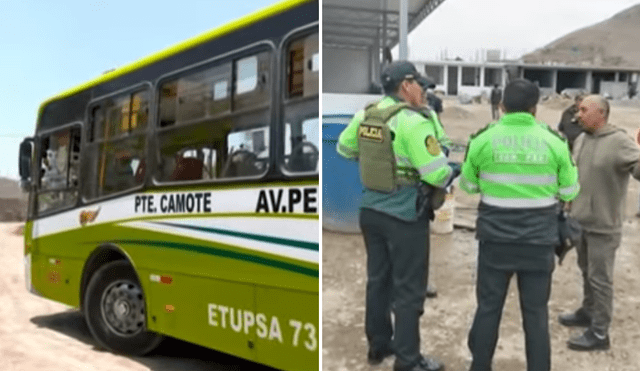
443 221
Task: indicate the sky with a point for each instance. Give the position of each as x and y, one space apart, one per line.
50 46
464 27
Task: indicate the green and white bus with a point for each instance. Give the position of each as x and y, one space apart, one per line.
179 195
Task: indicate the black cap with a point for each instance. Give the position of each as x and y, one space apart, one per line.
397 72
425 83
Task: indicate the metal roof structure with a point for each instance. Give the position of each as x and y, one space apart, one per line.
363 24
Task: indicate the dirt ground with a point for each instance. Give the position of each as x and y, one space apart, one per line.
37 334
447 318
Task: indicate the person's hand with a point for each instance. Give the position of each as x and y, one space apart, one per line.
456 167
446 150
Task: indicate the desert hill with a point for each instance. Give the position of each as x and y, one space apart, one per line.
13 202
613 42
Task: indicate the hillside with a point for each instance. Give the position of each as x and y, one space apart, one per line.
613 42
13 202
10 188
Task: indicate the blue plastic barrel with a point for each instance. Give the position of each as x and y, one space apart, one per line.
341 186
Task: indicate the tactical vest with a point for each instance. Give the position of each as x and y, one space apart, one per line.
378 170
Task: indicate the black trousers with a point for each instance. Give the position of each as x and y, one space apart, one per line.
396 281
495 112
497 263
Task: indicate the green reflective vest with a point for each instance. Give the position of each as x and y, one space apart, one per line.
416 150
441 136
519 163
375 143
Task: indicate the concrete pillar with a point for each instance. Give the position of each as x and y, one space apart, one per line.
404 24
376 59
445 78
459 79
589 82
554 80
482 82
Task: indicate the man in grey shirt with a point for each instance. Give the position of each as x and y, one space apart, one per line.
605 156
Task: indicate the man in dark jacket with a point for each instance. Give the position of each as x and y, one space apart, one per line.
496 98
569 126
432 99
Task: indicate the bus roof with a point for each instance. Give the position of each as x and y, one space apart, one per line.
227 28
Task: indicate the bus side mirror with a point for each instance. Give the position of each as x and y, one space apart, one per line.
24 163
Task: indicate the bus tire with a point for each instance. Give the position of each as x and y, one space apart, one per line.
114 308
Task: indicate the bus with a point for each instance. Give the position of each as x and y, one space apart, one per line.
178 195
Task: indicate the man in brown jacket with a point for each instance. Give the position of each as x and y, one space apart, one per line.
569 125
605 156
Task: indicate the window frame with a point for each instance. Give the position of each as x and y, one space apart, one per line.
145 133
229 57
38 181
285 101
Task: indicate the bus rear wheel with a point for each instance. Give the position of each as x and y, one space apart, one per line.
114 308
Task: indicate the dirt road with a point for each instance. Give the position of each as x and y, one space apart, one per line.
37 334
447 319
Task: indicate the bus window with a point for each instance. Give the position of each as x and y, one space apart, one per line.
193 164
214 151
59 169
248 153
97 123
120 116
117 143
196 96
120 165
303 67
168 103
301 124
252 77
207 131
301 149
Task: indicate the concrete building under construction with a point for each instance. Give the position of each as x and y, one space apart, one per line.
474 78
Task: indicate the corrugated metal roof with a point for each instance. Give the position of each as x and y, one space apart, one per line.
359 23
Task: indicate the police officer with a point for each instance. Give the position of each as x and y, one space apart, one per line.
397 150
520 167
495 98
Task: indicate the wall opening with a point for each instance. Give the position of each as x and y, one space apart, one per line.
568 79
492 76
544 78
598 77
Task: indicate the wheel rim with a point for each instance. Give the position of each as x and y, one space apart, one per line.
122 308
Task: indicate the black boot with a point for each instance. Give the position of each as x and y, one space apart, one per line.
425 364
578 318
375 357
589 340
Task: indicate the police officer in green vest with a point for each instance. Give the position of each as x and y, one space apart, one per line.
398 153
521 168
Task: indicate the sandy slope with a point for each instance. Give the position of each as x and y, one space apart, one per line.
612 42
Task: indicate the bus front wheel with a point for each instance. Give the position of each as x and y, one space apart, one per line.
114 308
